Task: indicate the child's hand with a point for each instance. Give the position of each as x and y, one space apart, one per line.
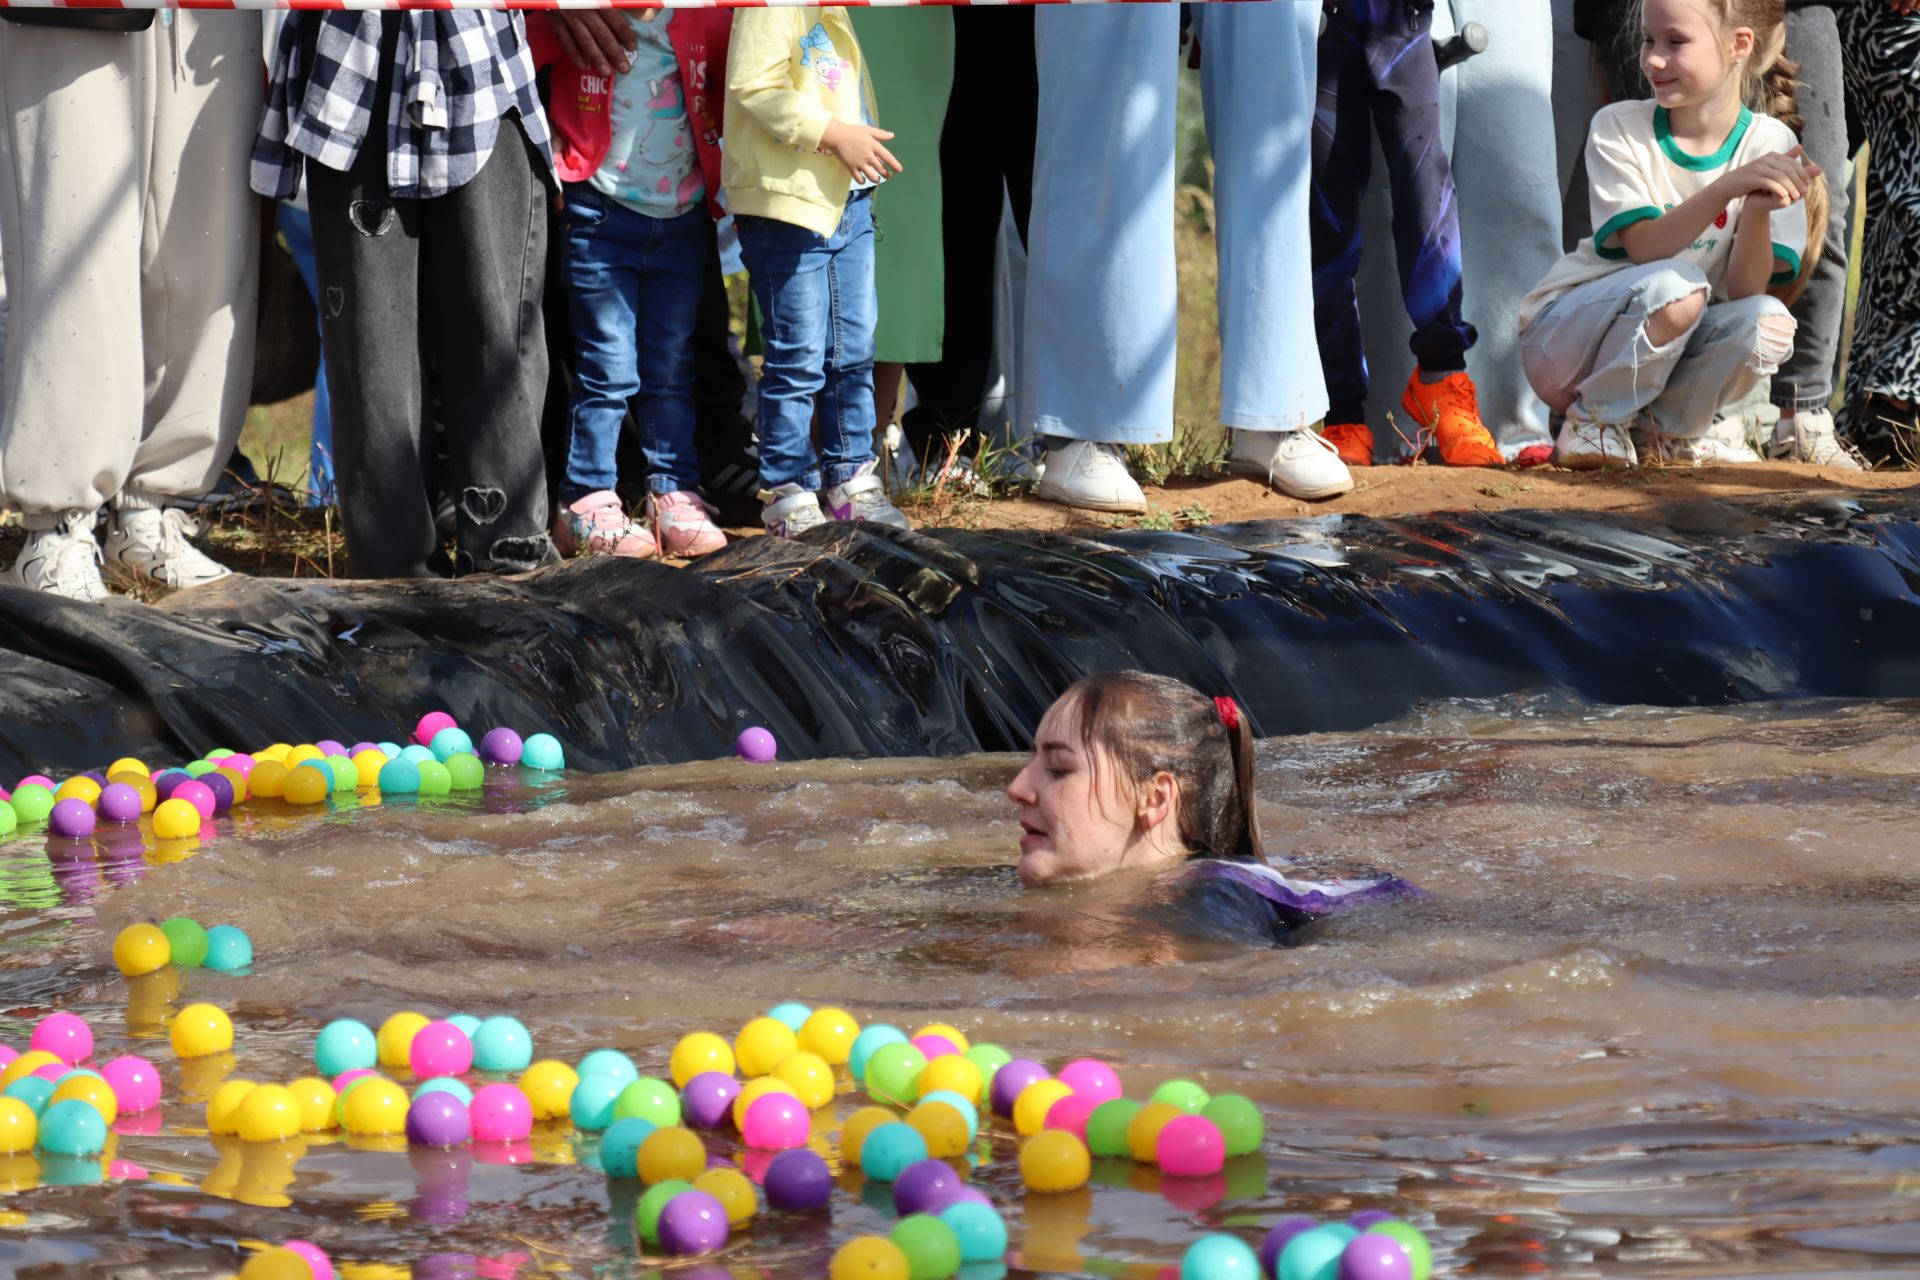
858 146
1772 181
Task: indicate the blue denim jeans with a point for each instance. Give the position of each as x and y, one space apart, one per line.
634 286
817 313
296 228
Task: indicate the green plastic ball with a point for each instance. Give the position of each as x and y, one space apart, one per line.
1419 1252
1239 1122
435 778
32 803
1184 1094
466 771
1107 1127
893 1074
648 1099
188 941
988 1057
200 768
346 774
932 1248
646 1214
8 819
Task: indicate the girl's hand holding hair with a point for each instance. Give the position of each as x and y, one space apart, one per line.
1774 181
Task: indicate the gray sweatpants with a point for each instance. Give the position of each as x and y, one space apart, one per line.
1588 354
1813 40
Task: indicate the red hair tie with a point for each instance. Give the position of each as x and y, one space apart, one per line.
1229 713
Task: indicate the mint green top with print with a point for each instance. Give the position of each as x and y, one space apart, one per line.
650 165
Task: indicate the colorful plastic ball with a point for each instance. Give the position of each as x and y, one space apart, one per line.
343 773
853 1133
127 764
889 1149
1239 1120
1013 1079
1315 1254
176 820
435 778
542 751
1220 1257
119 803
200 768
1276 1240
32 1090
869 1042
620 1146
756 745
200 1031
980 1231
810 1076
326 747
1070 1114
932 1248
932 1047
925 1186
71 819
648 1099
762 1045
222 789
1375 1256
948 1032
1190 1147
345 1045
35 780
608 1062
500 1113
277 1264
318 1263
1055 1161
368 764
696 1053
776 1123
969 1110
306 785
1143 1131
449 742
707 1098
692 1223
465 772
415 753
81 788
502 1044
792 1013
32 802
395 1038
199 795
431 723
64 1035
438 1120
270 1113
989 1058
828 1033
376 1107
440 1049
19 1127
317 1103
90 1088
187 941
671 1154
1091 1078
500 746
228 949
893 1074
951 1074
444 1084
268 780
549 1087
869 1258
135 1083
734 1190
399 777
142 948
1368 1218
1184 1094
1035 1101
591 1106
943 1127
53 1072
798 1181
72 1128
1419 1252
647 1210
25 1065
9 820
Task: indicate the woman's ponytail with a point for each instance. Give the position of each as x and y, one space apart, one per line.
1240 745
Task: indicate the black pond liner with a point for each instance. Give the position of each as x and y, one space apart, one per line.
862 641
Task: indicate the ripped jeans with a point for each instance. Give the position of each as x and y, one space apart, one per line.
1588 353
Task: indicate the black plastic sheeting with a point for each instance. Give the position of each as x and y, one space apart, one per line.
859 641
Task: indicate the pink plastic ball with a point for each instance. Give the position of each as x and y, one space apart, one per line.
66 1036
345 1078
1091 1078
242 765
72 818
119 803
135 1083
440 1049
52 1072
1191 1147
1070 1113
500 1113
935 1047
432 723
319 1263
776 1122
38 780
196 793
7 1054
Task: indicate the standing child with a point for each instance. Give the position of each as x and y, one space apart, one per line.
802 158
1700 205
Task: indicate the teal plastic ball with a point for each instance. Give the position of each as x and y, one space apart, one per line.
450 742
794 1015
345 1045
502 1044
416 753
889 1149
33 1090
981 1231
867 1042
445 1084
593 1101
542 751
399 777
228 949
467 1023
609 1062
72 1128
1220 1257
620 1146
1315 1254
389 749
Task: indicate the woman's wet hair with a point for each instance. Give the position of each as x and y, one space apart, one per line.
1146 724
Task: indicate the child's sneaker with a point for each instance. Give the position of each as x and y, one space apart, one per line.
1725 442
1450 408
790 511
864 497
1353 441
1808 436
1589 446
683 524
597 525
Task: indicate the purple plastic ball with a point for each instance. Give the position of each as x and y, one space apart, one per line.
438 1120
99 778
1369 1218
707 1098
693 1222
72 819
1375 1256
222 791
925 1186
167 779
756 745
501 746
358 747
1277 1239
119 803
328 747
1010 1080
799 1181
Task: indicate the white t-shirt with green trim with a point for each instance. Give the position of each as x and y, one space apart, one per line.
1636 172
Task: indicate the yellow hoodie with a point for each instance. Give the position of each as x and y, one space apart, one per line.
790 71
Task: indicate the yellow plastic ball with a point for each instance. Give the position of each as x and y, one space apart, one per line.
376 1106
175 820
26 1064
200 1031
1031 1107
317 1102
299 755
276 1264
853 1134
77 788
734 1190
306 785
93 1091
277 753
268 779
762 1045
1143 1131
754 1090
829 1033
810 1077
236 780
395 1039
271 1113
950 1032
671 1154
127 764
223 1108
697 1052
368 763
141 783
952 1072
549 1088
142 948
1055 1161
943 1127
869 1258
20 1127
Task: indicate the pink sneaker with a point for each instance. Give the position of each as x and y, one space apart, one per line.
683 524
597 525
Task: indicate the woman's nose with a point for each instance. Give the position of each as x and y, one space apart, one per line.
1018 791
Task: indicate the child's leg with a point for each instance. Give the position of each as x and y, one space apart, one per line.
604 247
672 276
1735 345
1342 159
846 405
787 270
1600 353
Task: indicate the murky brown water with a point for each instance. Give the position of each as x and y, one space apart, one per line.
1658 1018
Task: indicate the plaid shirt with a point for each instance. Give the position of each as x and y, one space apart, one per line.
456 74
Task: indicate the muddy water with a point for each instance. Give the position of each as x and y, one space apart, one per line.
1658 1017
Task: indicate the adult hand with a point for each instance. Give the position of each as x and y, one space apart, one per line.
598 38
1908 7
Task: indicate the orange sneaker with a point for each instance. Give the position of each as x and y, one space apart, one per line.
1353 440
1450 409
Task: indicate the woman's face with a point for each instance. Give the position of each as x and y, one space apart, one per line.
1074 825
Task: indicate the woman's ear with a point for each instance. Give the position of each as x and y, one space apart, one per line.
1159 802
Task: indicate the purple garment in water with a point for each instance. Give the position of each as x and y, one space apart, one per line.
1307 899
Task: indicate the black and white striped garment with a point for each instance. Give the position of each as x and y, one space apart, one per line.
1882 52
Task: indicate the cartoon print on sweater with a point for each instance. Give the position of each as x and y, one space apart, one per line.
817 51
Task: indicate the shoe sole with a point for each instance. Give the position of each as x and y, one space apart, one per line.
1253 472
1120 507
1594 462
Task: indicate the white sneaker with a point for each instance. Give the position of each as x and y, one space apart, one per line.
864 497
1091 474
64 561
790 511
155 546
1299 463
1589 446
1808 436
1724 443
